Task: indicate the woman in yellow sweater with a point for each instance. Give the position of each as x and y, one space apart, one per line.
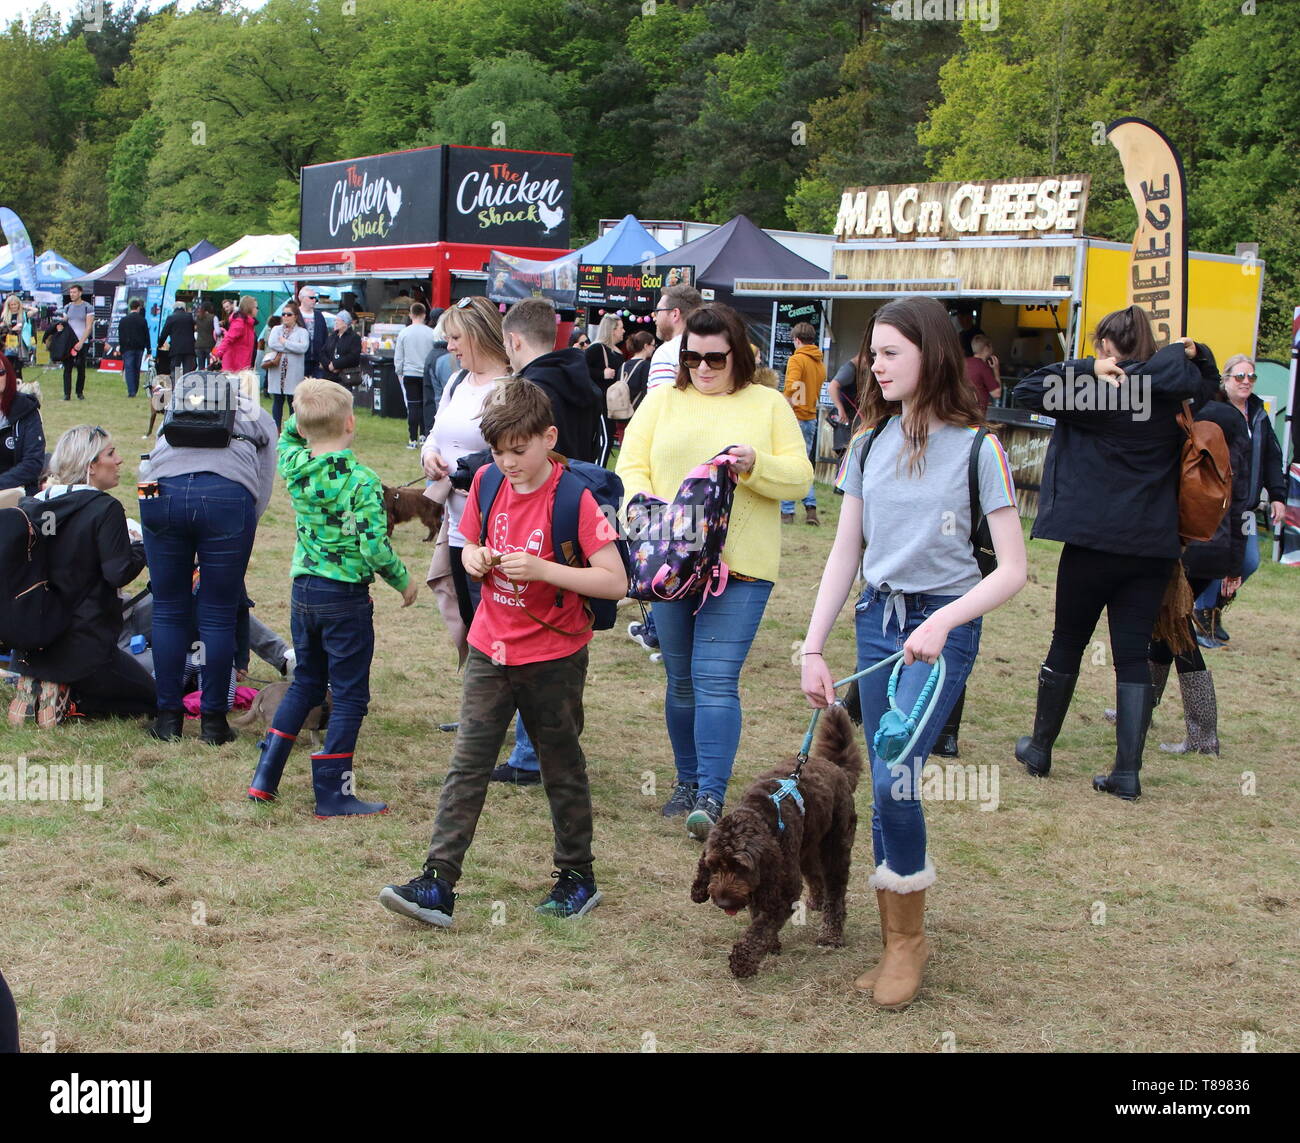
714 407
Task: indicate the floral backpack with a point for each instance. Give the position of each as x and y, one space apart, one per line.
677 548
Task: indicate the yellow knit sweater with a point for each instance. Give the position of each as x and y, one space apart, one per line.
676 429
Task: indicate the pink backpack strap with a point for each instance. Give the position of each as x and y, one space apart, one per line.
717 584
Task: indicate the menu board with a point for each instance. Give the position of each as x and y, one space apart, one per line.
789 315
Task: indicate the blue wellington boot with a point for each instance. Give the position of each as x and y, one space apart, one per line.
275 753
331 775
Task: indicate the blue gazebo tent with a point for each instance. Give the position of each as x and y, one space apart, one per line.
627 244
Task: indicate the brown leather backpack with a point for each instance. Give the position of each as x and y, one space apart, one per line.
1205 478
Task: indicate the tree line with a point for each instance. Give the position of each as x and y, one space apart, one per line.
166 127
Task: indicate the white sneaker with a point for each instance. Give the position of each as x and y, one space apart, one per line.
657 657
290 661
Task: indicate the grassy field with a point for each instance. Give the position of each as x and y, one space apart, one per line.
181 917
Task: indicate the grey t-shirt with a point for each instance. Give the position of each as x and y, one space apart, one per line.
917 527
78 314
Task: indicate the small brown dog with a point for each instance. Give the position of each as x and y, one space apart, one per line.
750 861
262 712
402 504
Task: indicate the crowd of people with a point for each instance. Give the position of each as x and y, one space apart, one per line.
935 551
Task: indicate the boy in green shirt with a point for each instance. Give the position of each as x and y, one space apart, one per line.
342 543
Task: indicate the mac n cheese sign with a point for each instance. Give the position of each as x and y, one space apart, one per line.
438 194
1028 208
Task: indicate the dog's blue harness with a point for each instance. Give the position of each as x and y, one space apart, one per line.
894 737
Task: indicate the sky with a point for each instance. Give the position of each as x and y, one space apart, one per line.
15 9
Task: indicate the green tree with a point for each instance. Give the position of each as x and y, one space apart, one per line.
80 223
128 170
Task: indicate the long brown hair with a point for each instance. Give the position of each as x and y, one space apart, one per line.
942 391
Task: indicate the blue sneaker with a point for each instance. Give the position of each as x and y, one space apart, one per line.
427 899
573 895
641 635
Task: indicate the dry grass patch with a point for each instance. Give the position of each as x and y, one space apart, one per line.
101 945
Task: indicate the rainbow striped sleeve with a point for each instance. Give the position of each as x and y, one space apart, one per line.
860 435
1006 483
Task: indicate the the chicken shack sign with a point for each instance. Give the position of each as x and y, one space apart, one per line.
1029 208
438 194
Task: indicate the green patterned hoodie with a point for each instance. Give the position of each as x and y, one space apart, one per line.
341 524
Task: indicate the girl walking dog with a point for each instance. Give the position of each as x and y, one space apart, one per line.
907 497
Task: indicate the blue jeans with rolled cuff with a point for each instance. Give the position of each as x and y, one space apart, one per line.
884 621
333 626
1249 566
703 655
205 518
809 430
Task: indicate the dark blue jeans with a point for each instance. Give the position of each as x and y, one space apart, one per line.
131 370
897 822
333 626
210 520
703 655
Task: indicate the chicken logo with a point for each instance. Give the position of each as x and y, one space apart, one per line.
552 218
393 197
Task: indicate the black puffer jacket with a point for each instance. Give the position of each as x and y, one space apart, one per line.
1221 555
22 445
92 556
1110 478
576 402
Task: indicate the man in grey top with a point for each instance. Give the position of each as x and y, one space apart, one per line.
81 320
414 344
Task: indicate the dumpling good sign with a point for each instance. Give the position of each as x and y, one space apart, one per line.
1030 208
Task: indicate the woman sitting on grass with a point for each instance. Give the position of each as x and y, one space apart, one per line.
91 556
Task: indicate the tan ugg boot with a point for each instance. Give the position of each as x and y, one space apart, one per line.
906 952
867 981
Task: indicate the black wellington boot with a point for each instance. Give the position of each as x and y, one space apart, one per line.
946 744
1133 705
167 726
1055 690
214 730
275 753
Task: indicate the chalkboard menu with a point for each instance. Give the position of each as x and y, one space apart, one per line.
789 315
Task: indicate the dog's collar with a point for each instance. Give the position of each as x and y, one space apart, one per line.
786 788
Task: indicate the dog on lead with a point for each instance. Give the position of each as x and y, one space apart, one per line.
407 503
758 856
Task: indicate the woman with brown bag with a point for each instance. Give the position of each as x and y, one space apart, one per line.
285 359
1110 494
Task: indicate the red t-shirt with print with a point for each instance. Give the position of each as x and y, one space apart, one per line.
522 522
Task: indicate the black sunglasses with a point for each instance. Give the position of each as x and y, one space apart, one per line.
691 360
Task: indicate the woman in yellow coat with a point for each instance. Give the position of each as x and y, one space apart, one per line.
713 406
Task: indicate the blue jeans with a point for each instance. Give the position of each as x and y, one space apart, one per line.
278 401
703 655
205 518
131 370
897 822
1249 566
523 756
809 430
333 625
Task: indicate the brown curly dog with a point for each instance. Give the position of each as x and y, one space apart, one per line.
750 862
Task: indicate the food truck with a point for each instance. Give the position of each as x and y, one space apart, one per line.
1013 255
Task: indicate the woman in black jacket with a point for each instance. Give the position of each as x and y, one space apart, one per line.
92 555
1266 474
1110 493
22 436
342 356
1219 558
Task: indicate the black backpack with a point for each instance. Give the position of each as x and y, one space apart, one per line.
33 614
981 540
202 411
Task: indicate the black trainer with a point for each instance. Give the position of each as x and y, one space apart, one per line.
682 801
427 899
573 895
515 776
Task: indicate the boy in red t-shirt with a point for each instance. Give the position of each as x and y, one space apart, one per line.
528 650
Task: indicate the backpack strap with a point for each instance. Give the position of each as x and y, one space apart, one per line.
871 439
973 479
455 384
488 487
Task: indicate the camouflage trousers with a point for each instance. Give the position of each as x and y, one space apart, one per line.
549 697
